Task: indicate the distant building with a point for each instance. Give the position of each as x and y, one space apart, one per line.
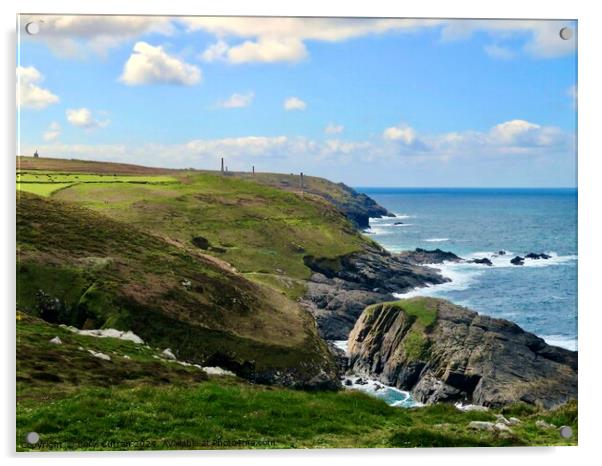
35 154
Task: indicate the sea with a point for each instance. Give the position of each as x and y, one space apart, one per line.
540 296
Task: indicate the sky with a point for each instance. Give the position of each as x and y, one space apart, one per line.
369 102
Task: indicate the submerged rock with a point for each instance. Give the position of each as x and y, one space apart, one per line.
518 260
443 352
483 261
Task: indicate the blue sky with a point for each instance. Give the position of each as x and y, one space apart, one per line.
368 102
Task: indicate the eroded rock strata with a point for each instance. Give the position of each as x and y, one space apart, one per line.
443 352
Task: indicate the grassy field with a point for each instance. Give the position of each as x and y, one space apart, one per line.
45 183
137 401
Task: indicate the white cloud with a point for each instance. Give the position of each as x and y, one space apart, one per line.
53 132
270 40
499 52
402 133
332 128
294 103
74 36
152 65
541 38
29 93
237 100
83 118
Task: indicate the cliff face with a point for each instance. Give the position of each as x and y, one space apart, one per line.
340 289
443 352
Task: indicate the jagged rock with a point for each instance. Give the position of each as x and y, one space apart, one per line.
514 421
459 356
518 260
56 341
340 289
502 427
423 256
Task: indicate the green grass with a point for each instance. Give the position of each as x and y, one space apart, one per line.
58 177
77 402
257 228
41 189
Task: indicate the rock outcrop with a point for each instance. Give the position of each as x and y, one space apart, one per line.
424 256
443 352
340 289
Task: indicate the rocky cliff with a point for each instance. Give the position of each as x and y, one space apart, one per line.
340 289
443 352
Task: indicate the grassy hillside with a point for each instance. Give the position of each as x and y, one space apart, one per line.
79 267
139 401
264 232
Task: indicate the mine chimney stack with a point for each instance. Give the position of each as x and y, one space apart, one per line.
222 165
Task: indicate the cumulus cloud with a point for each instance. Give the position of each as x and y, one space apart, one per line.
53 132
237 100
74 36
152 65
83 118
294 103
29 93
332 128
402 133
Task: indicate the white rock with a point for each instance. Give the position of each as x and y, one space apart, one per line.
125 356
502 427
502 420
462 407
99 355
56 341
217 371
168 354
513 421
482 425
108 333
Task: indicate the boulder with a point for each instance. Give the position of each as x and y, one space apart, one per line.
518 260
56 341
442 352
482 425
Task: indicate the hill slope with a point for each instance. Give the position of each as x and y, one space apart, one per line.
82 268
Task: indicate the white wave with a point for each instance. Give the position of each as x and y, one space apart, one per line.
394 396
562 341
462 276
436 240
340 344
